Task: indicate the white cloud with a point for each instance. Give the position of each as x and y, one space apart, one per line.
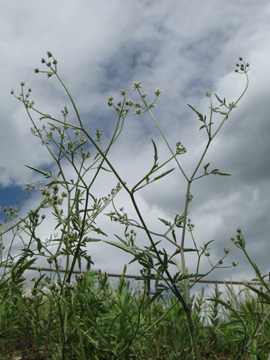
185 48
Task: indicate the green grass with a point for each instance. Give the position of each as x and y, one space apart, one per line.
91 319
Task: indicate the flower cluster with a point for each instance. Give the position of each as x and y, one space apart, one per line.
12 212
243 67
180 148
53 197
139 108
49 64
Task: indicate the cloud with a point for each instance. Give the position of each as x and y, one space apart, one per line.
185 49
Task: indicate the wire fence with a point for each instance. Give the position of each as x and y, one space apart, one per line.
140 277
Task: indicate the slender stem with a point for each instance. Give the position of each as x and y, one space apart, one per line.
237 101
163 136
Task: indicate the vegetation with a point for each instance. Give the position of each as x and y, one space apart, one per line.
90 319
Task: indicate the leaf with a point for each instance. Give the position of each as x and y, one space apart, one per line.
39 244
260 293
167 223
155 151
202 127
99 231
218 172
122 240
222 102
90 239
206 166
122 247
20 267
197 112
190 249
190 276
162 175
208 242
45 173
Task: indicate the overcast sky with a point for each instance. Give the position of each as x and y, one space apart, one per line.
185 48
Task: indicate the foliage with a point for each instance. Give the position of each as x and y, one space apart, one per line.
93 319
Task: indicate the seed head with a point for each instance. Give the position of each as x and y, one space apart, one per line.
123 92
138 112
227 250
158 92
137 85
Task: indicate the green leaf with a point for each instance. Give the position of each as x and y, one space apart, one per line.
173 235
222 102
202 127
122 240
45 173
39 244
190 249
218 172
190 276
260 293
20 267
99 231
90 239
155 151
167 223
162 175
122 247
201 118
206 166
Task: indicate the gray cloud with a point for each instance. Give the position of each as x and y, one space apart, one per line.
185 49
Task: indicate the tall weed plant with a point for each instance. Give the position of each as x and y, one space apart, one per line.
89 319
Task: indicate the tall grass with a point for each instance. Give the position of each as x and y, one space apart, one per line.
92 319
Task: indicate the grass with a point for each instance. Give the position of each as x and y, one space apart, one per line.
92 319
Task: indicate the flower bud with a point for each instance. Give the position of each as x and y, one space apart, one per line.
158 92
137 85
227 250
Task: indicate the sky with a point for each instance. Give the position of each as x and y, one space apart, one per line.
184 48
